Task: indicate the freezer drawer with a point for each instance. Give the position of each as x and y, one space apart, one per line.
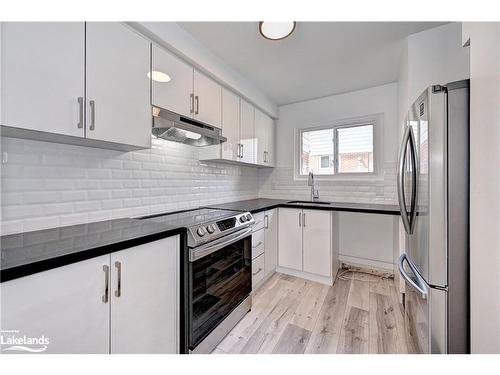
425 312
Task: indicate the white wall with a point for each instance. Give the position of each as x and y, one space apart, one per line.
325 111
175 38
46 185
367 239
356 230
484 185
431 57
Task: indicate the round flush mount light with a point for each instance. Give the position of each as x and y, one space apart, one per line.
276 30
159 76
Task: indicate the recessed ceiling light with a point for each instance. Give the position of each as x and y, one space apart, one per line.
159 76
276 30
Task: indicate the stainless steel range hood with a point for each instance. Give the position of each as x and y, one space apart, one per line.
174 127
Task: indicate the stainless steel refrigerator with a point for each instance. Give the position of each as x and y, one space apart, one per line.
433 192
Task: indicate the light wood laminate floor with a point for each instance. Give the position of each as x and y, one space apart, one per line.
293 315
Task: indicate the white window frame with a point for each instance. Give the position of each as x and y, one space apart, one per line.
375 120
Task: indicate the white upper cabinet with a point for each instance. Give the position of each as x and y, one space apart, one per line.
230 125
172 83
270 149
247 132
42 76
317 236
264 139
207 100
118 100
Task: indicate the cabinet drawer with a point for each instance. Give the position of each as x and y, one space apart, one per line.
257 270
259 221
257 243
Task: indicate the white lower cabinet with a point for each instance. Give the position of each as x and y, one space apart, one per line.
305 243
316 244
264 246
290 238
271 240
125 302
145 298
257 271
63 304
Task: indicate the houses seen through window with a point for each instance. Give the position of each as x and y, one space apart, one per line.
337 150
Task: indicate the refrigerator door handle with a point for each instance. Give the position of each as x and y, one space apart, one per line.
414 182
418 284
400 181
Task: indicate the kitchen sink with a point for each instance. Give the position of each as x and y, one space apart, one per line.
308 202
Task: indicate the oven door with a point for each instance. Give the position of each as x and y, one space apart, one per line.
220 278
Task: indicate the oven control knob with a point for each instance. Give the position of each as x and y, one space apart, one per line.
201 232
210 228
243 219
249 217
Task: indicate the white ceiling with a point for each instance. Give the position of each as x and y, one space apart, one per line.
318 59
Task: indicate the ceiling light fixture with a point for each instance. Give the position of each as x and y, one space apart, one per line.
276 30
159 76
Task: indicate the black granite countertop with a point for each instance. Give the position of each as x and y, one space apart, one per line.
261 204
31 252
27 253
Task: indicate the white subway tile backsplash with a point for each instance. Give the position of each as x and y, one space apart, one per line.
48 184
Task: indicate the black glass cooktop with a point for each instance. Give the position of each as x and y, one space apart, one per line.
190 218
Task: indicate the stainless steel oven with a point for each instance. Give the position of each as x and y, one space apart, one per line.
220 281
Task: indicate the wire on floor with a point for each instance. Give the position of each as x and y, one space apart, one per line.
346 270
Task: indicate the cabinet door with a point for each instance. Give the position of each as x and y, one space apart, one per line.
208 100
173 92
145 298
317 247
271 240
270 146
42 69
230 124
64 304
290 238
118 100
261 129
247 132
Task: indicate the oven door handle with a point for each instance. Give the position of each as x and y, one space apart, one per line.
204 250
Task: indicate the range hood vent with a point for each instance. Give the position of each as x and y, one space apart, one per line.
174 127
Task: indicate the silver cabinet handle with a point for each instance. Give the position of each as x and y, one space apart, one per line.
92 115
191 103
258 271
304 219
300 219
266 221
258 244
80 112
105 296
118 291
197 101
242 150
238 151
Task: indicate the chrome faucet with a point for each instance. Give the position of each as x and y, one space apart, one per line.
310 182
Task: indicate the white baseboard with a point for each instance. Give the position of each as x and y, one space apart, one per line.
327 280
362 262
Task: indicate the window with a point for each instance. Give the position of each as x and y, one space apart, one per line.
338 149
